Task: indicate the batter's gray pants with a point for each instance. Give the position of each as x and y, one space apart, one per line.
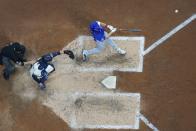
100 46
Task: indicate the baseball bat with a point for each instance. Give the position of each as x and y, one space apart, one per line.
131 30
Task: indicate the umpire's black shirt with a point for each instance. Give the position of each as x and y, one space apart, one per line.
14 51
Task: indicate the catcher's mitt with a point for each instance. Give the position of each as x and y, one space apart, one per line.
69 53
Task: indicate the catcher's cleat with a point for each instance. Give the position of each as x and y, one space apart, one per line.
42 86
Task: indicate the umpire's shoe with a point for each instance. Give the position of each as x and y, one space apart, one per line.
6 76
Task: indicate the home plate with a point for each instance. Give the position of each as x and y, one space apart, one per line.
109 82
109 60
106 110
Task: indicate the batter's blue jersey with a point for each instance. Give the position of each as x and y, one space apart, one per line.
97 31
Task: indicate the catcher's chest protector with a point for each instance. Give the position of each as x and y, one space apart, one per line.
37 71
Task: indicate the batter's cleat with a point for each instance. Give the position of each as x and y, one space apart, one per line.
120 51
42 86
84 56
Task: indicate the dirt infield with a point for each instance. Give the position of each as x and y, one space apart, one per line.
167 83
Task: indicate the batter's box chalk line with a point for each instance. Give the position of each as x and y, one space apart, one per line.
79 43
75 125
169 34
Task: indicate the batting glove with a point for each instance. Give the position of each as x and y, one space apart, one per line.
114 30
110 27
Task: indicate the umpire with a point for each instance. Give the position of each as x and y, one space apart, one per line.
10 55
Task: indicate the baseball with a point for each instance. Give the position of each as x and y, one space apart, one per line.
176 11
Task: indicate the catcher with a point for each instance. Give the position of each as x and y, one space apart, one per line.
41 69
101 37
